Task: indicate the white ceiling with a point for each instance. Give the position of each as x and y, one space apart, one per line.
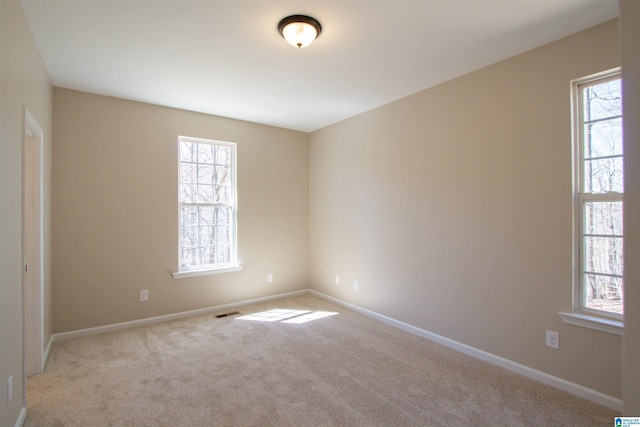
226 57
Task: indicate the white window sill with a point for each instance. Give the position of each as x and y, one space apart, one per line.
594 322
206 272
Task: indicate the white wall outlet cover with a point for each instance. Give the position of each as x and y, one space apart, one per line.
356 285
553 339
337 280
144 295
269 277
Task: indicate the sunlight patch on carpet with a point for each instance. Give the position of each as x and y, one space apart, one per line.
287 316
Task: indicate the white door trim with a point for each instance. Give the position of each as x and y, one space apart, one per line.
33 246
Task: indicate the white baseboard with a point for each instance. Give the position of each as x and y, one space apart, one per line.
559 383
63 336
21 417
45 355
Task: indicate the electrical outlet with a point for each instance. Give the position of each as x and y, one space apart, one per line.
355 285
553 340
269 277
337 280
10 389
144 295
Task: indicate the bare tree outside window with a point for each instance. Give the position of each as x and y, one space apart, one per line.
206 197
600 195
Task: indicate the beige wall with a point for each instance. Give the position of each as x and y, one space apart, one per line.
452 208
23 83
630 36
115 212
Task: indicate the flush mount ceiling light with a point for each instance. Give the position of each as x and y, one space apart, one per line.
299 30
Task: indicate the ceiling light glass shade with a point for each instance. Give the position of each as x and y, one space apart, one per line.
299 34
299 30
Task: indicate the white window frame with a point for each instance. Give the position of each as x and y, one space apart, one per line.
207 269
602 320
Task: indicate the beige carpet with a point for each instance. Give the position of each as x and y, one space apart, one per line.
339 370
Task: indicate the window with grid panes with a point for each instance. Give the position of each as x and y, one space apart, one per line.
207 204
599 171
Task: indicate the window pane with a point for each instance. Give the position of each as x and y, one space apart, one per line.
187 151
602 100
223 254
223 194
188 257
207 214
223 155
603 218
223 175
223 234
206 153
188 237
207 235
206 174
603 138
188 173
205 194
207 255
603 255
604 293
601 176
187 193
189 216
223 216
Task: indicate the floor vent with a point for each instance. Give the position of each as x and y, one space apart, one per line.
231 313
